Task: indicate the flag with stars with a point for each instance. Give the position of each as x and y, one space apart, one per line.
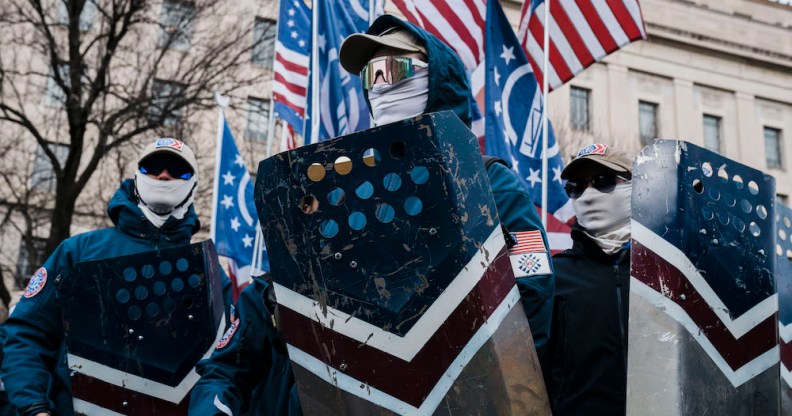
341 108
234 218
514 108
290 67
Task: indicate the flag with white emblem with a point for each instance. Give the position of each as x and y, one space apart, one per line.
514 106
234 220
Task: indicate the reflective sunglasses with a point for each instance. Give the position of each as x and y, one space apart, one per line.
390 70
605 183
176 166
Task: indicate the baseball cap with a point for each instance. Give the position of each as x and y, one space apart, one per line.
170 146
594 156
359 48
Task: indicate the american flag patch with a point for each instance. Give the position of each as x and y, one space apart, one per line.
528 242
168 142
594 149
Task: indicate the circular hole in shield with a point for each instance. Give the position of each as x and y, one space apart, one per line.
729 199
746 206
187 302
419 175
357 220
194 280
336 196
177 284
707 213
738 224
343 165
316 172
413 206
714 194
147 271
753 188
159 288
738 182
309 204
141 293
761 212
122 296
134 312
787 222
371 157
182 264
385 213
165 268
723 175
698 186
392 182
365 190
706 169
130 274
782 234
723 217
152 310
328 228
398 150
754 229
779 250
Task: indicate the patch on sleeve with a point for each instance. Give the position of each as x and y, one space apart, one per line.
36 283
229 333
528 242
530 264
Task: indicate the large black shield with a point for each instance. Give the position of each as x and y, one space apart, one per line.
783 235
136 326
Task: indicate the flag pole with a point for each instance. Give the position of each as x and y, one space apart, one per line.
271 121
315 119
222 103
545 109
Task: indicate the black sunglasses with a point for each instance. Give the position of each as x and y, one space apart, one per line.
605 183
177 167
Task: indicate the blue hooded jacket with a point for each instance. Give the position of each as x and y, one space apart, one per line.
34 368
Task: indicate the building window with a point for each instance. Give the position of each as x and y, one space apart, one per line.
167 103
712 133
772 140
43 178
86 16
258 112
263 42
55 96
176 21
579 99
647 122
27 262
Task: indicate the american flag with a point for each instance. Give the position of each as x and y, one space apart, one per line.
292 50
582 32
528 242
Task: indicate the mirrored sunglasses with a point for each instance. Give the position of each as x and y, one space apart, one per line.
605 183
176 167
390 70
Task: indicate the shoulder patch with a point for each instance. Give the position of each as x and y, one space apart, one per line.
36 283
530 264
229 333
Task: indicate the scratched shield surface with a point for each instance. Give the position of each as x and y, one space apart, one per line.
703 307
783 251
394 287
137 325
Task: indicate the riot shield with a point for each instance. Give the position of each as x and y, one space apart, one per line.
703 303
136 326
394 285
783 250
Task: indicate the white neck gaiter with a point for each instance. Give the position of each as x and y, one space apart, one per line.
606 216
160 200
404 99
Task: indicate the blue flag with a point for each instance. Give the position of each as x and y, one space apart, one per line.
235 222
342 107
292 53
514 106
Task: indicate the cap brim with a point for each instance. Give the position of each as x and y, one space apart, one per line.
358 49
585 166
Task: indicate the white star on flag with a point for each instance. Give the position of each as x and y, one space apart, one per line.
235 223
290 23
557 174
291 12
515 163
301 43
238 161
533 177
508 54
247 240
294 35
228 178
498 109
322 42
228 202
497 77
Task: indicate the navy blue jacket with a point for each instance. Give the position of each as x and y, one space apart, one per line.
34 367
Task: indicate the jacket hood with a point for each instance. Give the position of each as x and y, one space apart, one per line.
449 88
123 210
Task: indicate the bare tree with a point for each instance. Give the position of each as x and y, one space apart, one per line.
81 81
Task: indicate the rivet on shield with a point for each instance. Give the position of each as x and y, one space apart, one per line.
337 256
140 337
131 331
190 317
125 404
353 264
342 367
682 297
433 231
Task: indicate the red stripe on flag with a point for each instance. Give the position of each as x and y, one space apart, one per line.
295 88
408 14
625 19
461 30
597 26
556 60
291 66
572 35
281 99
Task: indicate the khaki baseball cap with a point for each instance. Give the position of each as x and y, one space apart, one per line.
170 145
359 48
594 156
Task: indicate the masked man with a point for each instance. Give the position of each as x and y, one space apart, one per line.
153 211
588 347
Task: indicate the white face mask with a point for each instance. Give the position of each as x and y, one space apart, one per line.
404 99
601 213
162 199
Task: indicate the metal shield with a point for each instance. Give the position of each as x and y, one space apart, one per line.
394 286
783 251
137 325
703 304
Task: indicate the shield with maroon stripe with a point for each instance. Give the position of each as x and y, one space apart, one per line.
394 287
136 326
703 304
783 251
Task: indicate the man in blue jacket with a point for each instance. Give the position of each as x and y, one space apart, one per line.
431 78
153 211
